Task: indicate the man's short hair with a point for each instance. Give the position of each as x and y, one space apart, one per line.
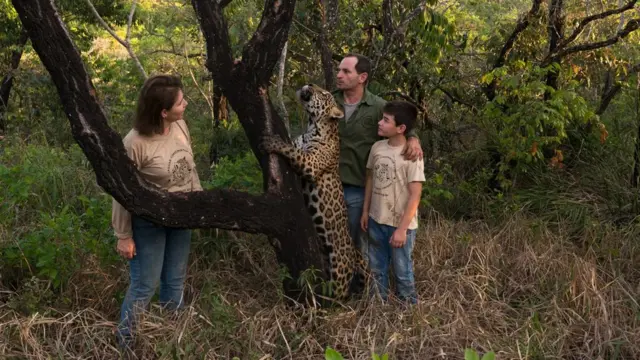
404 113
363 65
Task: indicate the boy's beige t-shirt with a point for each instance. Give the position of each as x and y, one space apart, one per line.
165 160
392 174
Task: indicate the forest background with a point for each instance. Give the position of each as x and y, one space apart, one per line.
528 244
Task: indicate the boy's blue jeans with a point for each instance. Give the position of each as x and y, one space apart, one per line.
161 258
382 255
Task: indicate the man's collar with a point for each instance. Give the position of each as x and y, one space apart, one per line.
367 97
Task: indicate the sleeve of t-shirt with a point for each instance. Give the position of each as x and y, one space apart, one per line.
195 181
120 217
371 156
415 171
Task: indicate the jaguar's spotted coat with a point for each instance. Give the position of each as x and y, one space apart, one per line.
315 157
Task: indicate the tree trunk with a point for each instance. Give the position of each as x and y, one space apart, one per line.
328 14
280 87
556 33
220 113
636 154
279 213
244 82
7 81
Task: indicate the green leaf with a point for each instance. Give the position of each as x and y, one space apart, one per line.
487 78
470 354
330 354
489 356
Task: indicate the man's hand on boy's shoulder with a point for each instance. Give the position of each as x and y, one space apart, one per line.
412 150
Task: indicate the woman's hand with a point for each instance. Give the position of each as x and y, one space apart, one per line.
126 248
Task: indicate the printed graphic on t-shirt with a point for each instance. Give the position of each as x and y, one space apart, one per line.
179 167
385 172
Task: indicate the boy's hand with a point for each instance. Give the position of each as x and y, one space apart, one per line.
399 238
364 222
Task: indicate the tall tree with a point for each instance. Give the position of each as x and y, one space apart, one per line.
279 212
7 81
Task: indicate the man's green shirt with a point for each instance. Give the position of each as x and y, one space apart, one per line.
357 135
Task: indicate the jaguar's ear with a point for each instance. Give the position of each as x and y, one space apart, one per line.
336 113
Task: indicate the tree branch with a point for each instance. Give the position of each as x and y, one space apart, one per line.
115 172
455 98
130 20
522 25
402 27
125 42
214 27
7 82
263 49
164 51
331 7
390 33
322 45
555 29
631 26
280 86
587 20
612 88
387 21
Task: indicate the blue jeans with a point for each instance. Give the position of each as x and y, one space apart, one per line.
381 254
161 258
354 197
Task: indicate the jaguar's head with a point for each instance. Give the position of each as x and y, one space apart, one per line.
319 103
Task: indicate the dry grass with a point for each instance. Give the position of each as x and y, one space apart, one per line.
519 290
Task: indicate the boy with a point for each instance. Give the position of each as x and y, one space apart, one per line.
392 195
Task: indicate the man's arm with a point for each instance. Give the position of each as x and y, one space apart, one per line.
412 150
368 189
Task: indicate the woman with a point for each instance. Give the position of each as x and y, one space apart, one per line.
159 145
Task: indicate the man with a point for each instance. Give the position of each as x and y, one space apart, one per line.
358 132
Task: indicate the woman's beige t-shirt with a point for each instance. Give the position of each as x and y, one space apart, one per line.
165 160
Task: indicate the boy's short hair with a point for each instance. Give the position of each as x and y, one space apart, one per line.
404 113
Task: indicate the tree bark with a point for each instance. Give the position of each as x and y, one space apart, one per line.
280 87
556 33
220 113
279 213
7 81
522 25
612 87
327 12
589 19
127 40
244 82
636 153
